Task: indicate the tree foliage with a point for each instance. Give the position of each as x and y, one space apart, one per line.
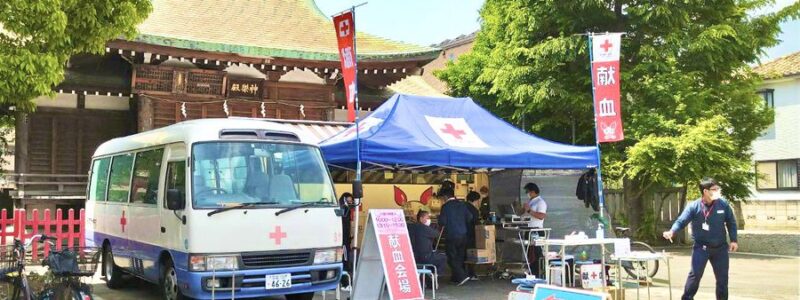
688 94
37 37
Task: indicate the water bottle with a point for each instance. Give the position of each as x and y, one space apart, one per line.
600 233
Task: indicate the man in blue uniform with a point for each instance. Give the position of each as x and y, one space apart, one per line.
710 216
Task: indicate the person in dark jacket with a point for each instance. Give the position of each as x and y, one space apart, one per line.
473 202
423 238
484 207
710 216
346 204
455 218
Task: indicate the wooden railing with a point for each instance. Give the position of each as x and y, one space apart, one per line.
44 186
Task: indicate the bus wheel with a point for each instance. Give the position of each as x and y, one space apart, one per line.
169 283
303 296
110 270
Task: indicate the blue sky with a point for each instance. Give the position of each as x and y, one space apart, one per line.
426 22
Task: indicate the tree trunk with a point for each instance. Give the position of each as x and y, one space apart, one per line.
633 202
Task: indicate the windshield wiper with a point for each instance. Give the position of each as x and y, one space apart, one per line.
309 204
238 206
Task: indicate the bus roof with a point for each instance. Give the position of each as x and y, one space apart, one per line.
192 131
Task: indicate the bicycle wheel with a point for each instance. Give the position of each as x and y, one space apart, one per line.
641 270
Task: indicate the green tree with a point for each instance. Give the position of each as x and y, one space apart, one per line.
37 37
688 95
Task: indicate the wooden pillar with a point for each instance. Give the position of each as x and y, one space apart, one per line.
145 114
21 143
53 144
133 111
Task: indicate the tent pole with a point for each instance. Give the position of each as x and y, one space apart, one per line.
357 202
600 193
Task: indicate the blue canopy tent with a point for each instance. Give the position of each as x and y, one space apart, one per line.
415 133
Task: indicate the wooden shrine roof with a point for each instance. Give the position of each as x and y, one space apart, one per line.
291 29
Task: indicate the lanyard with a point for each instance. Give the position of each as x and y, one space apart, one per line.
707 209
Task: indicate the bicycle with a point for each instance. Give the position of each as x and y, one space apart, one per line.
634 269
67 266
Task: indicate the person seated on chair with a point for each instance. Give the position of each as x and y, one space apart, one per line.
423 238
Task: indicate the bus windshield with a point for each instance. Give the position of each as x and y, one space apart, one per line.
233 173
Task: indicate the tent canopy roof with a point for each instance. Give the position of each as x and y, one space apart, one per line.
416 133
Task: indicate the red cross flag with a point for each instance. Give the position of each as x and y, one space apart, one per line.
605 81
455 132
345 35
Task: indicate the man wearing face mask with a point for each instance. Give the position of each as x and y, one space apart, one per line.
423 237
710 216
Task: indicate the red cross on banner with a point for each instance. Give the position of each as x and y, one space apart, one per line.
277 235
606 45
345 36
605 80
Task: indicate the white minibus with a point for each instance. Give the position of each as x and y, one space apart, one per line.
216 208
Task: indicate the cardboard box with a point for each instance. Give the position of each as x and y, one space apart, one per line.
613 293
481 256
485 237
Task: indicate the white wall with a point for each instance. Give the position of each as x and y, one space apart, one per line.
785 142
782 139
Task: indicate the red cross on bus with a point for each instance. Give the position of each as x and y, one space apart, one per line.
277 235
449 129
123 221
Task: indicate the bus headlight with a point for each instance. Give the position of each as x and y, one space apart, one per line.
328 256
213 262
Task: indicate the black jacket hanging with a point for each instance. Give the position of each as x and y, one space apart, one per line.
587 190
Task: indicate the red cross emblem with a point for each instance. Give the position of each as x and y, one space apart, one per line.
277 235
449 129
606 45
123 221
594 275
344 28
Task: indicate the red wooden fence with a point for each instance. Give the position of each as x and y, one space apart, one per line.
69 231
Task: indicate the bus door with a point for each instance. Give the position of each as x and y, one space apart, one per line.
143 216
172 227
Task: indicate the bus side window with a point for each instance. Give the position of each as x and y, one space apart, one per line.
146 176
99 180
176 178
120 178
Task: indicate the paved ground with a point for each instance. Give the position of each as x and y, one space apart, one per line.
751 277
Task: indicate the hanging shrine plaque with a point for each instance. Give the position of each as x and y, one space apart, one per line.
245 88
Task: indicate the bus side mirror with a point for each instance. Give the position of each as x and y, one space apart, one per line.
174 199
358 190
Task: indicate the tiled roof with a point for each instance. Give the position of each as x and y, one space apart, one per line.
458 41
415 85
784 66
262 28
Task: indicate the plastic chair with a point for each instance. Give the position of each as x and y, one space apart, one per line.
430 271
566 270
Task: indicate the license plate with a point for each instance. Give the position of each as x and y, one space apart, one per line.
279 281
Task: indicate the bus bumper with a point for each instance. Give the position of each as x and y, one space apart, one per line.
251 283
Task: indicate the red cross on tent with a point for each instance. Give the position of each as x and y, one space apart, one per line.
449 129
277 235
455 132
